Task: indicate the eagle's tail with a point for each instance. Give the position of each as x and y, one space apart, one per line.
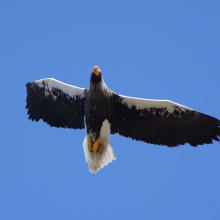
101 158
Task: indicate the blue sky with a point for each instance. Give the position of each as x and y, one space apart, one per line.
148 49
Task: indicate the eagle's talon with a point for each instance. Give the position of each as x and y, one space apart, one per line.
95 146
90 145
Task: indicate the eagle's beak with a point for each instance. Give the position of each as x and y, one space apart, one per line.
96 70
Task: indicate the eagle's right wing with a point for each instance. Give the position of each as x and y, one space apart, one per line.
162 122
57 103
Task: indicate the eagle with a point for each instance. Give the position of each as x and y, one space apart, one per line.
103 112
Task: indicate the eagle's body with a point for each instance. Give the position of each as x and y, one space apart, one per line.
98 107
98 115
103 112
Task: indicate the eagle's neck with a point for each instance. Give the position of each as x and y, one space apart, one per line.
98 88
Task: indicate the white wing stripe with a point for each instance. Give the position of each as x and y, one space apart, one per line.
151 103
66 88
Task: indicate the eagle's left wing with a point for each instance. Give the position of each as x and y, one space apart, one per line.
162 122
57 103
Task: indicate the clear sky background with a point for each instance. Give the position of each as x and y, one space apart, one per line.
148 49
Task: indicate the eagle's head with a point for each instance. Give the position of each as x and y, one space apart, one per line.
96 75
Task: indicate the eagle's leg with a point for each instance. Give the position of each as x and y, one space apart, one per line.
95 146
90 145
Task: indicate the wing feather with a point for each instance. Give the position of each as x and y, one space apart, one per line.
162 122
56 103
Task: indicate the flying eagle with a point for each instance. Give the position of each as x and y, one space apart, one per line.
103 112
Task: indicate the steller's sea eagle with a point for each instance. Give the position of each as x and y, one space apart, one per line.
103 112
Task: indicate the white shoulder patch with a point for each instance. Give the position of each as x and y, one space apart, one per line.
51 84
151 103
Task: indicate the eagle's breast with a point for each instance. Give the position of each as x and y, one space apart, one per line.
98 108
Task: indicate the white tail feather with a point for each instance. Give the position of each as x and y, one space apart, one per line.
101 158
